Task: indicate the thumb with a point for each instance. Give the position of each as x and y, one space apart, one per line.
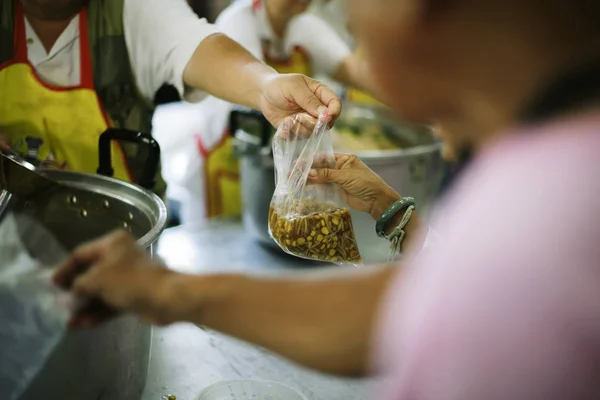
326 97
325 175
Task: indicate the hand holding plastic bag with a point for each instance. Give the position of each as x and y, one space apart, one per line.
309 220
34 313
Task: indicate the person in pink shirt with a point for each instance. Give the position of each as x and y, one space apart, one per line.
505 304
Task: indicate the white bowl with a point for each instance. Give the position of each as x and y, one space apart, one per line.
250 389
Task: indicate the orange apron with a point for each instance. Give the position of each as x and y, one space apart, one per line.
59 126
221 167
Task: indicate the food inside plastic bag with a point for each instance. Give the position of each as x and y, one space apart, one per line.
305 219
34 312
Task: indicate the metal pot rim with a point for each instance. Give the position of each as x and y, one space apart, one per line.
386 155
146 201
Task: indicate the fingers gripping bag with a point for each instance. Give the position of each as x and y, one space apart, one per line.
306 219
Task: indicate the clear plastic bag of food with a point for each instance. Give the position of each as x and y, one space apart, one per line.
309 220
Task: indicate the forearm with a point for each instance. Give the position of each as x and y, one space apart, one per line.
323 323
223 68
354 72
348 73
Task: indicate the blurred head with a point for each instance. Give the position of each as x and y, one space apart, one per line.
470 63
53 9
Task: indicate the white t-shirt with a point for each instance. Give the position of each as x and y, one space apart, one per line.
246 22
161 37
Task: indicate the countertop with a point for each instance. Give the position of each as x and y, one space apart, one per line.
185 359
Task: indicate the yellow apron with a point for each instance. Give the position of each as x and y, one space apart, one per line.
222 180
59 126
359 97
221 167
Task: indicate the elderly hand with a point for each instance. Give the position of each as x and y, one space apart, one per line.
115 275
363 189
289 94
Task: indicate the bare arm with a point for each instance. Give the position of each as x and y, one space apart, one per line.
323 320
226 70
321 323
354 72
222 67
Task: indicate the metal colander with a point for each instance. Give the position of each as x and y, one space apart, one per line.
85 207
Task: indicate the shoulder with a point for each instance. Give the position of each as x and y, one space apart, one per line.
308 23
237 12
517 258
167 13
523 206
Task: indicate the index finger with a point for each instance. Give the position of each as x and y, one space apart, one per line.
298 125
327 97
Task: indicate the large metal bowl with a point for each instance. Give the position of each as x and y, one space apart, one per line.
110 362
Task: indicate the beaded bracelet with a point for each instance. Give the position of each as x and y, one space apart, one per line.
402 204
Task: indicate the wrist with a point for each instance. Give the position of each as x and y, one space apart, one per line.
192 297
262 76
383 202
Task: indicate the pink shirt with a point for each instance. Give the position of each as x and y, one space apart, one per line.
507 305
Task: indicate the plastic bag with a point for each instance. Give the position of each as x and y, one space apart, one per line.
305 219
34 313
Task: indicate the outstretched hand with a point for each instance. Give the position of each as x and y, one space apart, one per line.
285 95
114 275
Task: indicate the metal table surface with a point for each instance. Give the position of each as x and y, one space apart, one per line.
185 359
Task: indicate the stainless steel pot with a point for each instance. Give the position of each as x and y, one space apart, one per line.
110 362
415 170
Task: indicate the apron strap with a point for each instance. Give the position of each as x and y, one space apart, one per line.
20 40
85 56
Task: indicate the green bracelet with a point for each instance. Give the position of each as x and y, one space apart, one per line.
398 206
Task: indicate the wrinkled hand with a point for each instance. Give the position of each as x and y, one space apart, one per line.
363 189
4 142
289 94
115 275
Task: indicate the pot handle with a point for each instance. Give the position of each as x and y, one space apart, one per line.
148 178
265 125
